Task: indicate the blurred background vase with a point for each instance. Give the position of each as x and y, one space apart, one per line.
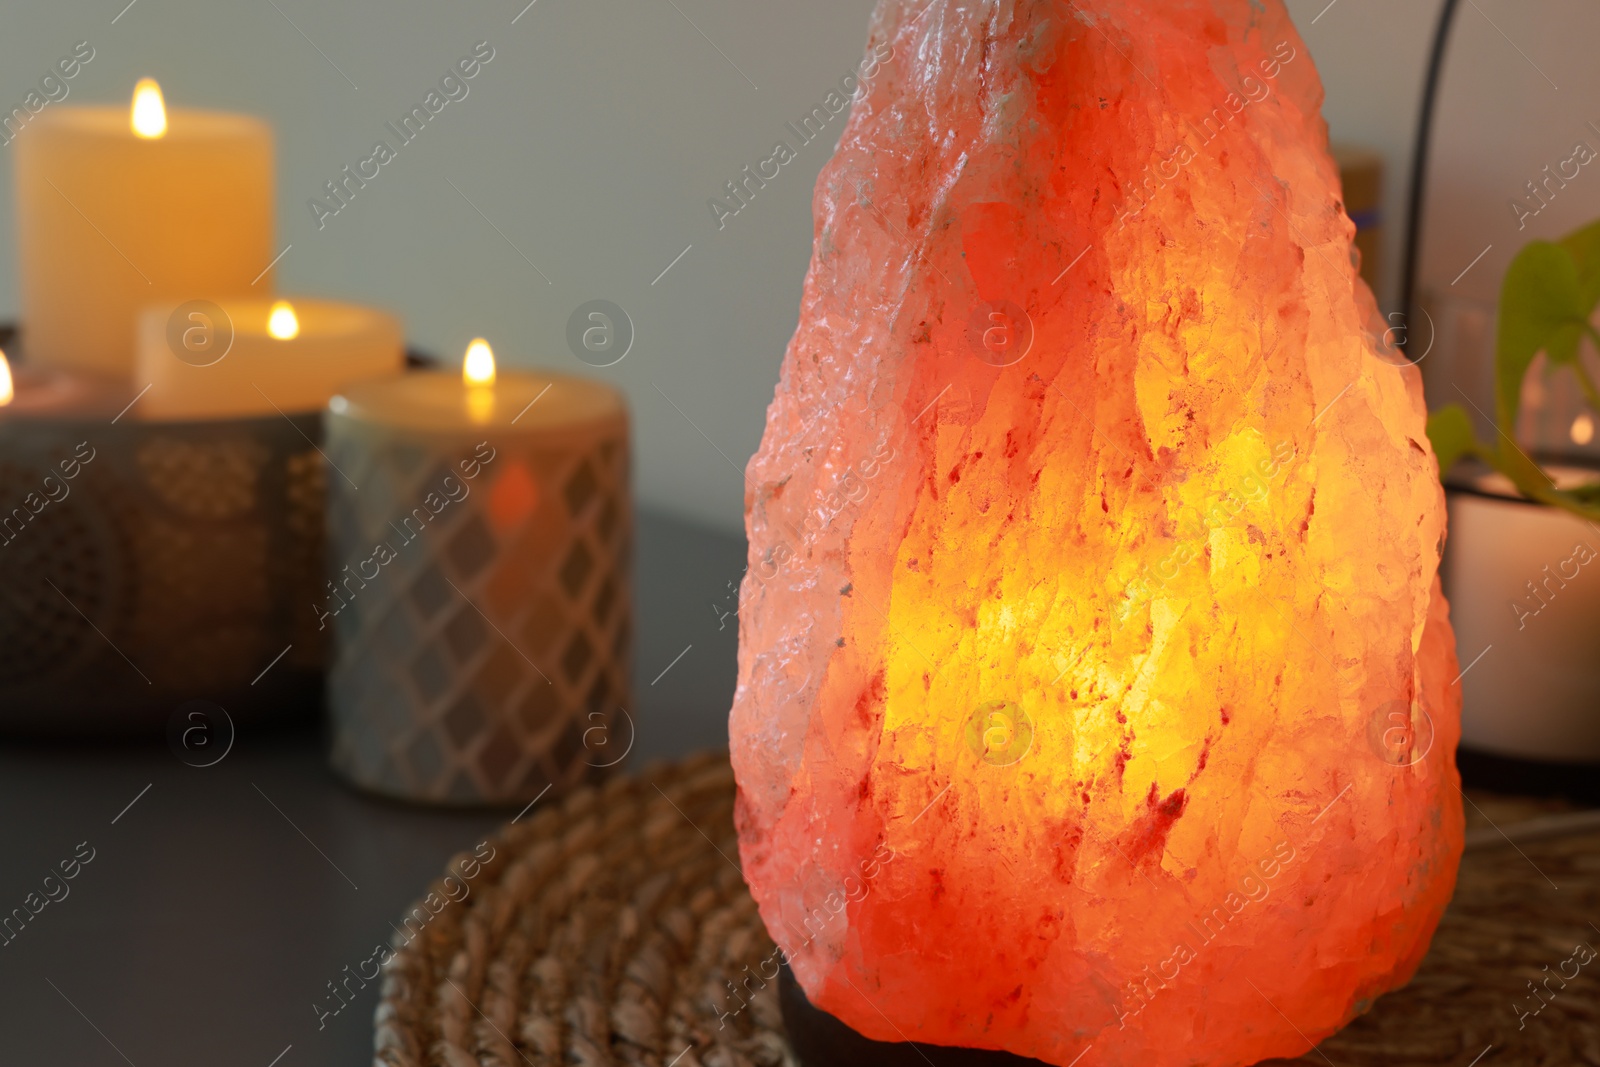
1524 587
1524 603
1524 593
1524 599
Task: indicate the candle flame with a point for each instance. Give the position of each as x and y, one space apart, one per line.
7 391
281 321
478 367
1582 429
149 112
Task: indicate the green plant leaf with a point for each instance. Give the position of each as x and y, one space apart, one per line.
1561 347
1450 431
1541 302
1586 495
1546 301
1583 245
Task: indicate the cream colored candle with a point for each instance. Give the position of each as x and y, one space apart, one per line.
256 357
480 400
478 587
110 219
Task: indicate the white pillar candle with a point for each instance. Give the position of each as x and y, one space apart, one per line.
256 357
111 217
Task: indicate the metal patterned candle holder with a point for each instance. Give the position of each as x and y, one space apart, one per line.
480 602
145 565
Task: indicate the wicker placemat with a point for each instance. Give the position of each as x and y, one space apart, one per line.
614 928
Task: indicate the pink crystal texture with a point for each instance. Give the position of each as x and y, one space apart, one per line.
1095 685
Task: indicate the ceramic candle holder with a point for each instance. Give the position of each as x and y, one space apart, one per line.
145 565
479 589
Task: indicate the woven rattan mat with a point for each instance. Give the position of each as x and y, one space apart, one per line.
614 928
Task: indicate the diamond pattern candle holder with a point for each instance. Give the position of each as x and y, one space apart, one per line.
480 599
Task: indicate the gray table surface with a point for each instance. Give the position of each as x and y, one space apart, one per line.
220 902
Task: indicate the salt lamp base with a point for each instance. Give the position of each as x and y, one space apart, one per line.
820 1040
1499 773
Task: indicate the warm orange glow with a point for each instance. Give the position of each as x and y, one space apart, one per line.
149 117
1582 429
7 391
1091 636
282 323
513 498
478 366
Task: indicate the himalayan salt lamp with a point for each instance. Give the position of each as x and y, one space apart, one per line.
1096 692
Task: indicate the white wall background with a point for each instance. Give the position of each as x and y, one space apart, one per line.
595 136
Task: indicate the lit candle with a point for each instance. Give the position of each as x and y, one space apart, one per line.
458 403
478 586
257 357
29 393
121 207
